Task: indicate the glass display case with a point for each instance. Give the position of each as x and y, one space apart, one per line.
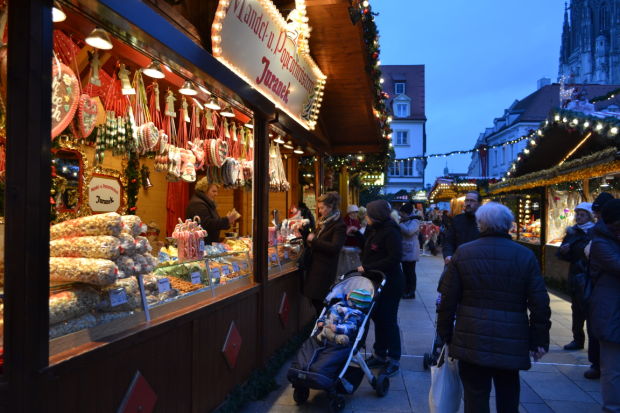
528 219
561 203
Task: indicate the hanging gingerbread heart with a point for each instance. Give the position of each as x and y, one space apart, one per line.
65 96
87 115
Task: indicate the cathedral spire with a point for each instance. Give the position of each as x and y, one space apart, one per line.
565 49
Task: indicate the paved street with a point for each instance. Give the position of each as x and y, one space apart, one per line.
554 385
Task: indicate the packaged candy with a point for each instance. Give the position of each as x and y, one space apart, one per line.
98 246
100 224
128 244
133 225
72 325
95 271
71 303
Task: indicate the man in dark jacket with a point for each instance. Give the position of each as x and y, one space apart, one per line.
605 301
383 250
572 250
463 227
202 204
489 286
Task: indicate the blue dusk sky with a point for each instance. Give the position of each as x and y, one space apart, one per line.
479 57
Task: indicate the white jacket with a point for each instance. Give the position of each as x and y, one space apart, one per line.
411 244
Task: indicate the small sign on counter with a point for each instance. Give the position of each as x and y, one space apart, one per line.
118 296
196 278
163 285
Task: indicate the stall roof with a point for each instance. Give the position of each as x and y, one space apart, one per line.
346 122
567 142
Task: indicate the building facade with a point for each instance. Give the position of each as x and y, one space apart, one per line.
590 48
405 86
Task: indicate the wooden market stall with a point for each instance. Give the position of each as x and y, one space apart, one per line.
192 326
570 159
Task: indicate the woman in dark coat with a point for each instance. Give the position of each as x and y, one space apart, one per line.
325 244
605 301
489 285
383 250
202 204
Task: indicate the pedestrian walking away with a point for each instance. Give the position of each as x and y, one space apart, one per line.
409 228
605 301
489 286
382 251
325 246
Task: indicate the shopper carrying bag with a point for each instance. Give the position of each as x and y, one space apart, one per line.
446 390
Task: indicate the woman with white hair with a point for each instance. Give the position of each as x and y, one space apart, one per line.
488 286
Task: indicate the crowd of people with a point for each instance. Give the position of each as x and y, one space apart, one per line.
493 309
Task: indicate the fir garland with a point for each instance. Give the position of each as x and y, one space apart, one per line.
132 172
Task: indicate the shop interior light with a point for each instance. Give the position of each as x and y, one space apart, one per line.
58 15
99 39
279 140
188 89
154 70
204 90
197 102
288 145
299 151
212 104
228 112
249 125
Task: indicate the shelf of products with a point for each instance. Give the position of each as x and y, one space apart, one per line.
561 213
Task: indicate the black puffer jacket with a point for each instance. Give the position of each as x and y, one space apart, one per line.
577 239
200 205
383 250
605 272
489 285
463 228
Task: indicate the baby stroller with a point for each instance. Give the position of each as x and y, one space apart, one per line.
338 369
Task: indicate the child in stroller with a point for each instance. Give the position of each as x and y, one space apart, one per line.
344 318
324 364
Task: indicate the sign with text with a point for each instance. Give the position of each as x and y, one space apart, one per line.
104 194
255 42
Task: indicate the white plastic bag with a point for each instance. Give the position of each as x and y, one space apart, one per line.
446 390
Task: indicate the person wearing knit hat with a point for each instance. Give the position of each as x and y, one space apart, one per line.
360 299
599 202
353 226
604 303
572 250
382 251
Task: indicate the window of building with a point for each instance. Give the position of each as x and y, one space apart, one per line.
402 137
495 157
399 88
503 155
402 110
394 168
407 167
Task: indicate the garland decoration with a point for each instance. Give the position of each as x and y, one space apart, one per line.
132 171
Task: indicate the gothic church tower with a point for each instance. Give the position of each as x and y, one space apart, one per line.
590 50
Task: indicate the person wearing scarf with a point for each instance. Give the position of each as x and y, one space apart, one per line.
572 250
382 251
325 245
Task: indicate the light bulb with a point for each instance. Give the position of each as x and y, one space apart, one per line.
188 89
299 151
249 125
278 139
228 112
154 70
288 145
212 104
58 15
99 39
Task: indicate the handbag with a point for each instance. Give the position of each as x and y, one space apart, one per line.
446 390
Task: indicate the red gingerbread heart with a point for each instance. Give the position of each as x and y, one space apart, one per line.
87 115
65 95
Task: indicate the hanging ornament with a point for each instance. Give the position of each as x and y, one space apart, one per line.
94 68
123 75
65 97
170 99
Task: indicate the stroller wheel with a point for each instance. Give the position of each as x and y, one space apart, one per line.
336 404
383 385
300 394
428 361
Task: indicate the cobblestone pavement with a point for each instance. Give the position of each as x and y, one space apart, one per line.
556 384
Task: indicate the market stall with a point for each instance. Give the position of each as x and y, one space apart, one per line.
555 181
108 284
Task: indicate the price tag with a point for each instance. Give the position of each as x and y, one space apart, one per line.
163 285
117 297
274 257
286 255
195 277
244 266
235 267
225 270
201 247
215 272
